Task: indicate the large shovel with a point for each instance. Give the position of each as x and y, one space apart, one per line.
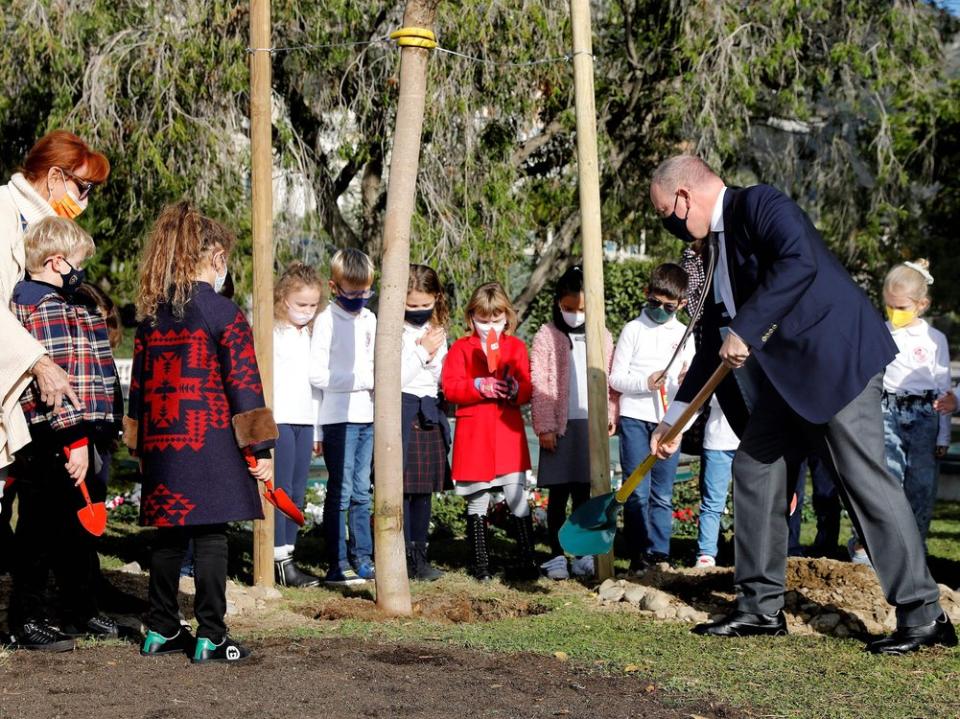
93 516
277 497
591 529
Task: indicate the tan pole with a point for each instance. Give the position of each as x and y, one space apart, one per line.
393 588
262 223
592 241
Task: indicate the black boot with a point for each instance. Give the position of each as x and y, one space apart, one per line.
289 576
525 563
477 538
426 572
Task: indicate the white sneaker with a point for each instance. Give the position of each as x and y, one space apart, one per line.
704 561
858 555
556 568
583 566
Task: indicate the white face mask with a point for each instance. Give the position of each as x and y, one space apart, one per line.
298 319
573 319
483 328
220 280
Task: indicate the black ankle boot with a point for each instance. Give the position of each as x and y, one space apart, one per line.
477 538
289 576
425 571
525 562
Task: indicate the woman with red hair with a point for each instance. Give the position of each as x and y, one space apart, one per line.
58 175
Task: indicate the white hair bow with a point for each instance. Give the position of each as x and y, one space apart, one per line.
922 270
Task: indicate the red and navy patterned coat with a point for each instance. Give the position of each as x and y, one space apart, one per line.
191 378
77 340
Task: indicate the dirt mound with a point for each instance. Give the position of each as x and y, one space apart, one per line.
346 678
448 608
823 596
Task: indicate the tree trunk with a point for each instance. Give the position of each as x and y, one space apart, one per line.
393 589
261 170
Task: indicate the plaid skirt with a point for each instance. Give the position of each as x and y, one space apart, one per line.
427 468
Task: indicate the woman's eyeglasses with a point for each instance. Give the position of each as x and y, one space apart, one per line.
85 187
668 306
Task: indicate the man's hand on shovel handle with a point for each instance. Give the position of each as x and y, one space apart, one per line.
734 351
663 451
263 470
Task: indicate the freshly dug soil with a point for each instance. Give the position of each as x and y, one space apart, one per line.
455 608
327 678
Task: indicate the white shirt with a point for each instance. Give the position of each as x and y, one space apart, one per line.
419 374
577 383
295 401
644 348
718 434
341 364
922 364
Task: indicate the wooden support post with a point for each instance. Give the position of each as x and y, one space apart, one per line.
393 588
262 222
592 241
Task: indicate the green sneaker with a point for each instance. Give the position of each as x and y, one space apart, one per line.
227 650
157 645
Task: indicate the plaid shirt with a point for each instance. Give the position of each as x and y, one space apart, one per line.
76 339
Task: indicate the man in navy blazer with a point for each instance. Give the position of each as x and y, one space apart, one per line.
808 352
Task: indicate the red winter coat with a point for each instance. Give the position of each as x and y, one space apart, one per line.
489 440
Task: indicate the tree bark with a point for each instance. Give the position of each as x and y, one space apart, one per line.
393 588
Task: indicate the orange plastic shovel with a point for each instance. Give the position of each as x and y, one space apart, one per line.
93 517
277 497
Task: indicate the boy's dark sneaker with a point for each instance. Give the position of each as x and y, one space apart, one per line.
227 650
366 571
343 578
41 637
96 627
289 575
156 644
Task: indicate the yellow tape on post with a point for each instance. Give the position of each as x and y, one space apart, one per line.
414 37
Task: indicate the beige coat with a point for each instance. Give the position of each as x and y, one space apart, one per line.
19 351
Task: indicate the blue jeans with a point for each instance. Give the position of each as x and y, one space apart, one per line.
291 469
648 513
348 453
910 437
714 484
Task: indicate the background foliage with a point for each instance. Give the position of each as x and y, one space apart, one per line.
851 106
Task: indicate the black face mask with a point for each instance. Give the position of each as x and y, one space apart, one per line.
418 318
72 279
677 226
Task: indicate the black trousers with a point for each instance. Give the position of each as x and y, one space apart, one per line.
50 537
210 578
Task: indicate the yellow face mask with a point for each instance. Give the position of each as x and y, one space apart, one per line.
900 318
67 207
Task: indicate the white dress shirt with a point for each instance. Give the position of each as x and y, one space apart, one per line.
577 382
644 348
419 374
922 364
341 364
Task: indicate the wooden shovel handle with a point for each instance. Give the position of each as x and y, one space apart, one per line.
675 431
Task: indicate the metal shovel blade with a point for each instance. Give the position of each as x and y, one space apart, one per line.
592 527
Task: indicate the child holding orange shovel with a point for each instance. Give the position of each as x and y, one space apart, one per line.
57 469
196 409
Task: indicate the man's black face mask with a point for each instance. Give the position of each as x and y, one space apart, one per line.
677 226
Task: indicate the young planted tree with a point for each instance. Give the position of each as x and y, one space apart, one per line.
393 589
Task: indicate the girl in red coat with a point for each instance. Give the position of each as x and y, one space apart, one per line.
487 375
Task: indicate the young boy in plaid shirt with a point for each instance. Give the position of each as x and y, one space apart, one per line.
60 454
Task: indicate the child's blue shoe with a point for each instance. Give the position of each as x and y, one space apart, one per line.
343 578
366 571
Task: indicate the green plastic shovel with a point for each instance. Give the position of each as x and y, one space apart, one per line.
591 529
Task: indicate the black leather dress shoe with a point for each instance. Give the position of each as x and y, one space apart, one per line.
910 639
744 624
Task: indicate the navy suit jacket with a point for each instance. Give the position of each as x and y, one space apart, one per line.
813 331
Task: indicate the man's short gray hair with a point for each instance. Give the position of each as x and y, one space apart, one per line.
685 170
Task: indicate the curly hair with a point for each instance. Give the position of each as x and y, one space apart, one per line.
180 241
298 274
424 279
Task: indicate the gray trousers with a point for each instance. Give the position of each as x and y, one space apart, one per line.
851 446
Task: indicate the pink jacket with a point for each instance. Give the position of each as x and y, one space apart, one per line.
550 372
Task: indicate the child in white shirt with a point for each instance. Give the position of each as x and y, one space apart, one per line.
341 366
645 347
